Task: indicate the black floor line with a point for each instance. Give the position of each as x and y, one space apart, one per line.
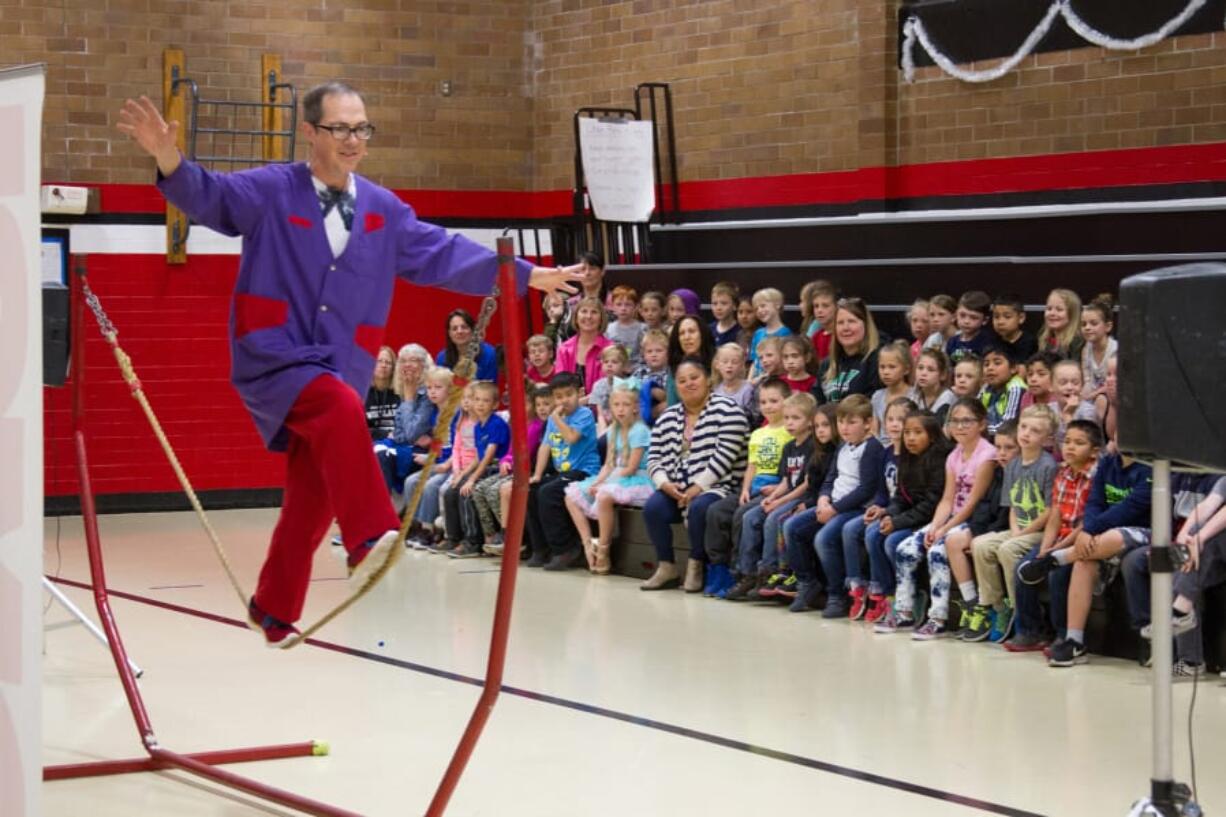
612 714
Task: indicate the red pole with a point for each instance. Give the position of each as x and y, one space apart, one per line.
99 768
513 348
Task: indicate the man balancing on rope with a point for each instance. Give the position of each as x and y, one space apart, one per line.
321 249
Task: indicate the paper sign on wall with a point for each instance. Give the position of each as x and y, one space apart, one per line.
618 168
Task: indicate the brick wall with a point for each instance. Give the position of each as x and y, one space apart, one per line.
101 51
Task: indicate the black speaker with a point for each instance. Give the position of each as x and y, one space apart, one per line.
55 335
1171 376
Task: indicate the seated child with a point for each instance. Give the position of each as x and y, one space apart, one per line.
1002 389
822 298
1008 322
768 303
968 473
570 445
1117 517
760 521
540 359
729 376
1097 321
932 392
491 442
1026 492
917 320
725 327
1067 401
651 311
941 311
1069 493
492 496
614 364
422 535
747 319
1039 368
894 371
558 326
974 312
796 358
851 483
854 532
766 445
921 484
627 330
654 375
622 480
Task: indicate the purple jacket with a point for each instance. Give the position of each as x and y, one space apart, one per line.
297 312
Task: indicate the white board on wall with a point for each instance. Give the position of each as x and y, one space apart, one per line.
618 168
21 439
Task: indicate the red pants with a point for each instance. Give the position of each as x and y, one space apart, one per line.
331 473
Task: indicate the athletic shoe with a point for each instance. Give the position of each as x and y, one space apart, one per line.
894 622
1025 642
931 630
878 609
979 625
442 545
276 632
964 619
719 579
494 548
836 607
744 586
565 561
770 588
367 559
1185 671
859 603
1066 652
466 550
788 588
1002 623
538 559
1034 571
1180 624
806 597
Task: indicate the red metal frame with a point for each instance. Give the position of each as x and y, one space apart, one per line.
513 349
203 763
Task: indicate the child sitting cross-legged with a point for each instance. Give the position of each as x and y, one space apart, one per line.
849 486
757 553
968 473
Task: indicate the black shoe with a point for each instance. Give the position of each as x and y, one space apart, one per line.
1066 652
466 550
565 561
538 559
808 596
744 586
1034 571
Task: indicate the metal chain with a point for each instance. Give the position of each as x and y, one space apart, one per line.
104 323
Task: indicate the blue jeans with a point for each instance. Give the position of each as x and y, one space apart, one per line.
1030 609
758 549
840 554
661 512
1135 569
881 550
427 511
798 533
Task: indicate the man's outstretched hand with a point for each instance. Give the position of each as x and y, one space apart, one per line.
556 279
144 125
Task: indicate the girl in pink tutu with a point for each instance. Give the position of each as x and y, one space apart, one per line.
622 481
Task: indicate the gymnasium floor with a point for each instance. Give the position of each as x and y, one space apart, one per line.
619 702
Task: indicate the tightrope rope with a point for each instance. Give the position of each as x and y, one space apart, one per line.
464 370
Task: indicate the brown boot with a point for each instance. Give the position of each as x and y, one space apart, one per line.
665 578
693 576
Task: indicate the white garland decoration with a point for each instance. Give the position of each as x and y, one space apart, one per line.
914 31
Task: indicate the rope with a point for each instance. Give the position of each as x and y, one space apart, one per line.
464 370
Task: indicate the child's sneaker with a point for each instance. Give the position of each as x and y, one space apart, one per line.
770 587
744 586
1002 623
979 624
931 630
367 559
964 619
1025 642
806 597
1185 671
494 548
1180 624
443 545
465 550
894 622
1034 571
859 603
878 609
836 607
788 588
276 632
1066 652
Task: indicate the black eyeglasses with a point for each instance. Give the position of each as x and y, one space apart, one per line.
342 132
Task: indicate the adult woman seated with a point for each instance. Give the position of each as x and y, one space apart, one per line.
411 429
580 353
852 368
690 337
697 456
460 326
381 399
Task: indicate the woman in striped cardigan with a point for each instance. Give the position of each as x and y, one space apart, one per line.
697 456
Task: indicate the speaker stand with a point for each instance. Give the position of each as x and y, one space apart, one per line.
1166 798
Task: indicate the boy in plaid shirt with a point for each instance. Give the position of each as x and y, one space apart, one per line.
1083 440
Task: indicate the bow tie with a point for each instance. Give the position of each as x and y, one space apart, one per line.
341 200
